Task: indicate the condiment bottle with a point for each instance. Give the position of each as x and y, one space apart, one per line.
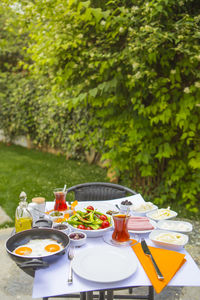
23 218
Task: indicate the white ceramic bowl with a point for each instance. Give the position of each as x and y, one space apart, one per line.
102 207
143 209
54 215
161 214
77 242
92 233
123 206
64 227
178 226
170 240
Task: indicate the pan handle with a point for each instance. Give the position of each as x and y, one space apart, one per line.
34 263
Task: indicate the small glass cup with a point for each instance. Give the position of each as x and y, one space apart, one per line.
60 199
120 233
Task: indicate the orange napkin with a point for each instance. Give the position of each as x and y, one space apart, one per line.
169 262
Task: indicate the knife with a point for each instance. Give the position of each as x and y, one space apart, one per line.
146 250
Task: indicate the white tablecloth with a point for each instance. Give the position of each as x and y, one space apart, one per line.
52 281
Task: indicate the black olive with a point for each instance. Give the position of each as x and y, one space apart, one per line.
126 202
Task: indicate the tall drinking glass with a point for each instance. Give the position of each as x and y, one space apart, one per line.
120 234
60 199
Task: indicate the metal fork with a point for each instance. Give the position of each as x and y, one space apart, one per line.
71 256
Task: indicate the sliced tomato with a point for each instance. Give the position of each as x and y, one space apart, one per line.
103 218
105 224
88 228
81 226
89 208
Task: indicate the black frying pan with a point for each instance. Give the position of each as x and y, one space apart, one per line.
25 236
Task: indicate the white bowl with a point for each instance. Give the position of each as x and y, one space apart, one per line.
102 207
175 241
77 242
124 207
58 214
64 227
178 226
141 210
162 214
91 233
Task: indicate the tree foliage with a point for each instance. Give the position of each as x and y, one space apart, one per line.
121 77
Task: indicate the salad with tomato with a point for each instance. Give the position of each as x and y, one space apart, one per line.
90 219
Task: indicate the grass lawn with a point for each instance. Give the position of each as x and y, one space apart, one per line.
38 173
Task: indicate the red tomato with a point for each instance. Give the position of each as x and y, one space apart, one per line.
81 226
90 208
105 224
103 218
88 228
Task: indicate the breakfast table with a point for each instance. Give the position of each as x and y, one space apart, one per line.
52 281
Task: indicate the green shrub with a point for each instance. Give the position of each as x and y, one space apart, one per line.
124 76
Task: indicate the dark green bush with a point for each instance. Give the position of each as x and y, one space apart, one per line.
122 77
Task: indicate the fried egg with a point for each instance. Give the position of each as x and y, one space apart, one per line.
23 250
38 247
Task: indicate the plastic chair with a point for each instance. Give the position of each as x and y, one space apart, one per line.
96 191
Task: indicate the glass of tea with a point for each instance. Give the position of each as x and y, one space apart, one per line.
60 199
120 233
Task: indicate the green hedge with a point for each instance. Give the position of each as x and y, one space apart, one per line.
121 77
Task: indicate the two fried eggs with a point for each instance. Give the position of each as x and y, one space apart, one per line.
38 247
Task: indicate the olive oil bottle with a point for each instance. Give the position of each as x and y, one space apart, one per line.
23 218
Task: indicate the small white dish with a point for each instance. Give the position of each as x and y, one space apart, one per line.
178 226
64 227
77 238
143 208
162 214
125 205
54 215
168 239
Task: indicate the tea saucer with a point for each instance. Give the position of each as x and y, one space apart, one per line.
108 239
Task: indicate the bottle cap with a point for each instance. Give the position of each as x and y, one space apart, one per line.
38 200
23 196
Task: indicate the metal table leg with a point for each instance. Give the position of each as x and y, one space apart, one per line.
89 295
109 294
83 296
101 295
151 292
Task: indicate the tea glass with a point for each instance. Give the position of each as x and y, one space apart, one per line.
120 234
60 199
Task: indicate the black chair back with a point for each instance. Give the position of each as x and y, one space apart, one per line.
94 191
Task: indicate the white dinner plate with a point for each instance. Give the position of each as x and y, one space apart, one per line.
145 231
102 266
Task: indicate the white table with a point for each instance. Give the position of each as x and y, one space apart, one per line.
53 280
